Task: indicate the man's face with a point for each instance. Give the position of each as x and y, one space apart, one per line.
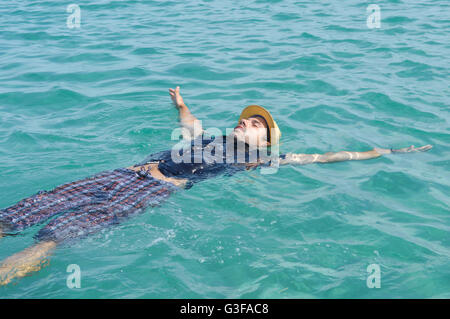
252 131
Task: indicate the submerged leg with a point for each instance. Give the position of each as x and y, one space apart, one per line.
29 260
108 205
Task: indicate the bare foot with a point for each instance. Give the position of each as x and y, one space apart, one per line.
25 262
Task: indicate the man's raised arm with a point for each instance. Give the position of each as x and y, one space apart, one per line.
332 157
188 121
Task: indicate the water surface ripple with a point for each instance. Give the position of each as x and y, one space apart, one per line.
74 102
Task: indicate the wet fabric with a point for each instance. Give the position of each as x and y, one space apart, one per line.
207 157
84 207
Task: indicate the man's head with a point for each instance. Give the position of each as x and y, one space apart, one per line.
253 131
256 127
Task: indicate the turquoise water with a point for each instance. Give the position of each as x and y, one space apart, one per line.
74 102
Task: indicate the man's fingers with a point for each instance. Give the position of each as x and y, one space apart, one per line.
425 148
419 149
413 149
176 91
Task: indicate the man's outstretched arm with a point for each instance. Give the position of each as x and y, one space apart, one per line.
188 121
332 157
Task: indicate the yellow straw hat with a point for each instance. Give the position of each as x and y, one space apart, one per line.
274 133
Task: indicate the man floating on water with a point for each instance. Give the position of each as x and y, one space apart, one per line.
84 207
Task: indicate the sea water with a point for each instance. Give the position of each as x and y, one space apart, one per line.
84 88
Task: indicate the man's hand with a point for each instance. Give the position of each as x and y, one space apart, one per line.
188 121
413 149
410 149
176 97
